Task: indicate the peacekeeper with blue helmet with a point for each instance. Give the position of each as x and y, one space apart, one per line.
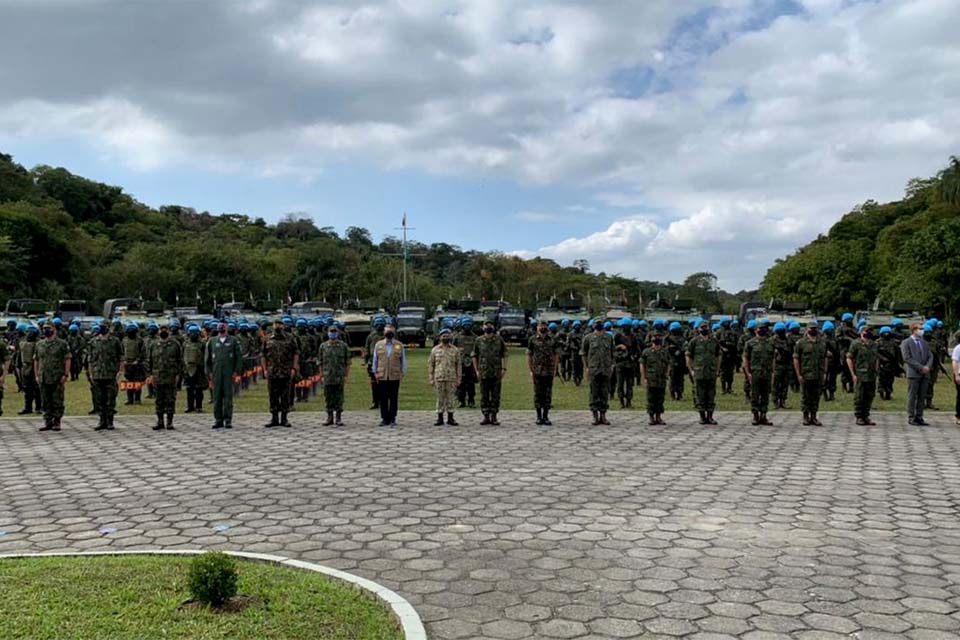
464 341
782 365
835 361
134 362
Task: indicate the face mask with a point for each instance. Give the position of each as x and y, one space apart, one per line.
488 330
194 337
388 335
812 333
48 332
919 333
761 332
445 340
164 334
868 335
542 330
332 335
103 331
704 332
657 341
598 327
222 330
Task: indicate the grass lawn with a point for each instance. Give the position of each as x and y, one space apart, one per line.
416 394
140 597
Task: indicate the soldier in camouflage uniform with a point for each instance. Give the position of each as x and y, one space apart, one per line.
846 336
563 355
194 349
5 353
625 358
308 358
152 330
104 367
75 342
596 350
574 341
656 364
742 341
703 362
444 374
25 356
490 365
375 336
281 360
675 345
863 361
134 362
758 357
810 365
542 362
465 341
52 368
165 364
11 340
727 339
937 340
835 361
334 366
782 365
890 363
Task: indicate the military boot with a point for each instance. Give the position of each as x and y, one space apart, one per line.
339 419
764 420
47 425
283 420
596 418
806 418
169 422
56 425
329 420
274 420
110 423
486 419
129 398
653 419
450 420
102 425
756 418
159 425
703 417
493 419
603 418
546 418
660 419
814 421
439 422
539 415
710 419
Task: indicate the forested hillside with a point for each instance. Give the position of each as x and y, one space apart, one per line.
907 251
65 236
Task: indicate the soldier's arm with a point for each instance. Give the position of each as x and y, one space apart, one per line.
643 373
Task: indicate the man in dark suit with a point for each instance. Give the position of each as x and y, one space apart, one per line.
918 360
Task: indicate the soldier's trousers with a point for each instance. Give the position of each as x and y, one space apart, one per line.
706 399
52 397
577 369
389 393
864 392
195 385
612 383
655 396
134 373
677 377
599 395
565 369
374 388
222 399
75 365
781 384
846 378
934 374
31 394
166 402
811 396
727 368
333 395
760 394
279 391
104 396
542 392
467 391
830 384
446 395
625 383
490 394
885 383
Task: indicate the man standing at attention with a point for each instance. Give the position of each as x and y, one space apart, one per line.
703 361
52 369
445 375
334 365
165 365
918 360
542 360
810 364
389 366
490 365
280 362
863 361
597 353
104 366
223 361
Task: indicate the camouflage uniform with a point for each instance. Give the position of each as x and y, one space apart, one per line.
334 363
26 354
467 391
308 361
4 354
625 363
280 357
574 341
891 366
104 357
865 359
675 344
76 343
811 356
782 370
597 353
835 362
51 357
542 354
758 357
656 363
444 368
846 336
727 339
193 374
703 352
489 354
134 364
165 364
375 336
742 341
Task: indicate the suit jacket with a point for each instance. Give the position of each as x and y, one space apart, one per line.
916 355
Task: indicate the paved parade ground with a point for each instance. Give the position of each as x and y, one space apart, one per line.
521 531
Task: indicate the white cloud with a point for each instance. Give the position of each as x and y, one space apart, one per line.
535 216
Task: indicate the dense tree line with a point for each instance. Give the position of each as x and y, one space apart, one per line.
903 251
63 236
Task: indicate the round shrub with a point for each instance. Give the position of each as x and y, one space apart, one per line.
213 578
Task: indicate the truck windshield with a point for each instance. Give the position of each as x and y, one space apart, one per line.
409 321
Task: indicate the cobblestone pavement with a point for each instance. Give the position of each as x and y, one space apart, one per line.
521 531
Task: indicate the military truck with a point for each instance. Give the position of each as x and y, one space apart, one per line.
70 308
309 309
356 323
792 312
411 323
512 325
113 306
26 307
906 312
680 310
753 310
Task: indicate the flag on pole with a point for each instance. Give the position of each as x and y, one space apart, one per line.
404 220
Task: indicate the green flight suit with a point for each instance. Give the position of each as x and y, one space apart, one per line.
222 362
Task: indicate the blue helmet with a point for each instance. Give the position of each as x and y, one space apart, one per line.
174 323
896 322
576 324
57 322
885 330
828 326
675 326
624 323
73 327
533 322
635 323
193 329
779 327
444 331
734 323
793 324
466 321
725 322
95 327
379 322
233 325
939 324
552 326
765 322
715 327
643 323
696 322
659 323
116 322
32 329
846 317
301 322
565 322
751 324
608 325
133 326
447 323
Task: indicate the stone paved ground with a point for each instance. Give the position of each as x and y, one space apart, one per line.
526 532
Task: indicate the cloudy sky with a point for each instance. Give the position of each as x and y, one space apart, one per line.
653 138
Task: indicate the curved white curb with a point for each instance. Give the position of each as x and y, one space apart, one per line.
406 615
